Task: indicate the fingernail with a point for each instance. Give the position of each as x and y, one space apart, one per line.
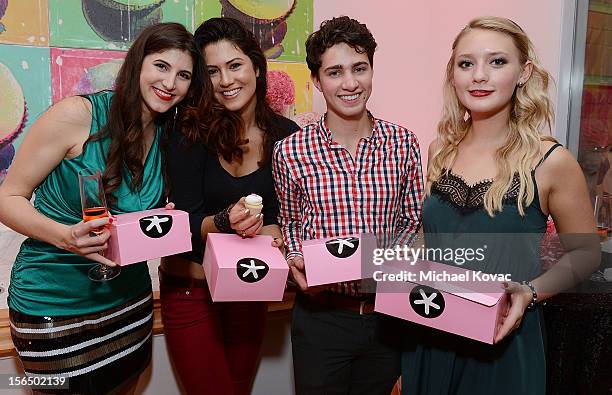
246 211
110 220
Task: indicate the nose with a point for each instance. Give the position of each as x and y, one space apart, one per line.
169 82
350 83
225 78
480 73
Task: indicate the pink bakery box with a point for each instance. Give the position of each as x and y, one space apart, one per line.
247 269
149 234
335 259
467 308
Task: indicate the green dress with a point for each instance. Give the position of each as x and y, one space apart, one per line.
439 363
48 281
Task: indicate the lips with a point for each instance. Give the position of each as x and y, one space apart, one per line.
480 93
165 96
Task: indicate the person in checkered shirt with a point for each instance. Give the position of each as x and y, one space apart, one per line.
348 173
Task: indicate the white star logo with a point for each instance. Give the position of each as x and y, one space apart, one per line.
342 243
251 269
427 301
155 222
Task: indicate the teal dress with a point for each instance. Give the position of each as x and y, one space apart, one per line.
439 363
48 281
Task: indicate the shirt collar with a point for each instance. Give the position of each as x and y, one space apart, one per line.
373 139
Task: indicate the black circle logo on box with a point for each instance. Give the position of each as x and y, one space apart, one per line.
252 270
342 247
426 301
156 226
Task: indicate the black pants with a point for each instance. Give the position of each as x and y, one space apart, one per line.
343 352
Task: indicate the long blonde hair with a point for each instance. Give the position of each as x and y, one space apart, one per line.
531 110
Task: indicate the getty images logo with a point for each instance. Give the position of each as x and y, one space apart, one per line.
426 301
342 247
251 270
156 226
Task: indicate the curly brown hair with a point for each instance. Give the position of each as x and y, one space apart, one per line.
335 31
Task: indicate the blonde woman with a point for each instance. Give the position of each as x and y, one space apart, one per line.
491 172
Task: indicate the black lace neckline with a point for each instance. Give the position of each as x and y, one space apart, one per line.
454 189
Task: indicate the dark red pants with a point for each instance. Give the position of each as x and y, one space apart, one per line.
214 347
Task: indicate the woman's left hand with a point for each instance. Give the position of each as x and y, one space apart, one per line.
520 297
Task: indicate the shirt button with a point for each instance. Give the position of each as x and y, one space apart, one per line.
187 292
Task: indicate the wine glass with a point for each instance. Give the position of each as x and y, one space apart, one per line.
603 217
93 204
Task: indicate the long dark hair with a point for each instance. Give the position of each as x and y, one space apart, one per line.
227 140
124 118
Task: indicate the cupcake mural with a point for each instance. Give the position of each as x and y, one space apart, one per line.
3 6
266 18
13 116
99 77
281 93
121 20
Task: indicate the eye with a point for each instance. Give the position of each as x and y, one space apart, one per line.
360 69
235 66
184 75
464 64
499 61
212 71
161 66
334 73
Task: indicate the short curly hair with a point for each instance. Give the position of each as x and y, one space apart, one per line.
335 31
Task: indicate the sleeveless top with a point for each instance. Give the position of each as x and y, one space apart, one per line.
46 280
454 217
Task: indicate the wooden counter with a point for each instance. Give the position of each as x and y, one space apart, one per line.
8 350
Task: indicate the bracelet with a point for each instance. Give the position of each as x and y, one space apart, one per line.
534 295
221 220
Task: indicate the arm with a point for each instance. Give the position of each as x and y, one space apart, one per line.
58 134
411 199
289 197
570 206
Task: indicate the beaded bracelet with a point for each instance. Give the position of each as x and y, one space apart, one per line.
221 220
534 295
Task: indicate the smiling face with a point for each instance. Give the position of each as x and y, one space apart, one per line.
486 71
345 80
232 74
164 80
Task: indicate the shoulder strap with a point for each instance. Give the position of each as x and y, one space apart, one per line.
547 154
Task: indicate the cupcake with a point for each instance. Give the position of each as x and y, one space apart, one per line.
99 77
254 203
281 93
121 20
266 18
13 116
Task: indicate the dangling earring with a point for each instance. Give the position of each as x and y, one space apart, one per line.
174 119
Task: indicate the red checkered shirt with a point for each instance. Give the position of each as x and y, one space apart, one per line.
324 192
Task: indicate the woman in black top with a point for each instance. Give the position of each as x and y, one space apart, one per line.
215 346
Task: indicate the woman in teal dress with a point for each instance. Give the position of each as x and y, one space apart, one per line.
493 180
95 334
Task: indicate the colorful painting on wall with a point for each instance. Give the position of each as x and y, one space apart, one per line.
289 88
281 26
111 24
24 22
83 71
25 83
